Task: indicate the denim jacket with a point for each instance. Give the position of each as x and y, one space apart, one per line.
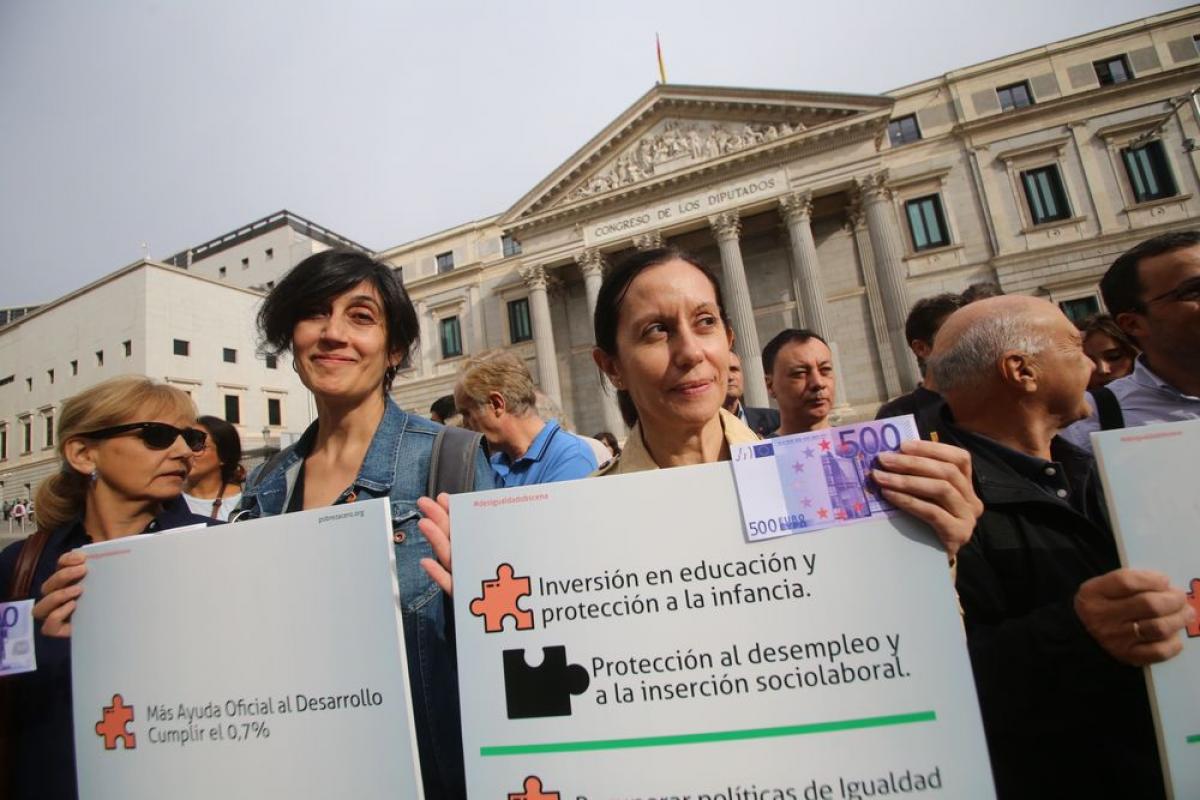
397 467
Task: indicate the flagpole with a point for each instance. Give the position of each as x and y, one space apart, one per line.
662 67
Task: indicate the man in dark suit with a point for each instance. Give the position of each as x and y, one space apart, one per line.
763 421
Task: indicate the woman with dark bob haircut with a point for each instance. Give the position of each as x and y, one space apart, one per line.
663 341
349 325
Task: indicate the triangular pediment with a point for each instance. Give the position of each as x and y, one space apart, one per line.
672 131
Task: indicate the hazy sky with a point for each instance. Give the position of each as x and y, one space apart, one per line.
171 122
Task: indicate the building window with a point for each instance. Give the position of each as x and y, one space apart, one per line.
519 329
99 358
270 284
1113 70
903 130
50 376
451 337
1149 173
233 409
510 246
6 380
221 272
182 347
74 367
29 384
1046 195
229 355
49 418
274 412
128 345
246 263
927 223
445 262
1080 308
272 361
26 436
1016 95
270 253
3 442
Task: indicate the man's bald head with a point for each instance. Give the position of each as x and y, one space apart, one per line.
972 342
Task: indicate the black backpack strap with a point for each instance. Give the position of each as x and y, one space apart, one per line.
452 462
1108 409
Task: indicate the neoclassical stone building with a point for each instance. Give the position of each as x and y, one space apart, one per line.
831 211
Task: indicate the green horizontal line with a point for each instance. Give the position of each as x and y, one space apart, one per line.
1194 738
713 736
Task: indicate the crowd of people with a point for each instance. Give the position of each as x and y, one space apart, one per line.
1056 628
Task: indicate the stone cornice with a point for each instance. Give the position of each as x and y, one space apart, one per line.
455 278
1188 74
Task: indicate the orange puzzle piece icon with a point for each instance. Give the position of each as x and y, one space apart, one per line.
1193 596
114 725
499 600
533 791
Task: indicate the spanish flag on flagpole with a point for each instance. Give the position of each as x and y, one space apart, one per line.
662 68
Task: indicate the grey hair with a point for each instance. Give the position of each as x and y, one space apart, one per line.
967 363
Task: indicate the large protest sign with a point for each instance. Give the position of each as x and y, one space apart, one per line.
619 638
262 659
1155 510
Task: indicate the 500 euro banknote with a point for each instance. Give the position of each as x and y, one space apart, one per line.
809 481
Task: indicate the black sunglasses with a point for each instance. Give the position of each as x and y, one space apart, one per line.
156 435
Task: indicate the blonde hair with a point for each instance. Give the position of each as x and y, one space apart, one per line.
498 371
60 497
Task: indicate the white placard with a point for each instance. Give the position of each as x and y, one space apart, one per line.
261 659
641 648
1151 488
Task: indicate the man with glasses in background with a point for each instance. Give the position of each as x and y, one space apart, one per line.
1153 292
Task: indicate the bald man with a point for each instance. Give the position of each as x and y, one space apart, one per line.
1056 629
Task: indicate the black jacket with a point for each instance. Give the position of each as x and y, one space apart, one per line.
1063 718
763 421
924 404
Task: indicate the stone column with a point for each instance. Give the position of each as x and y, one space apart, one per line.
796 210
866 261
592 264
728 228
534 276
888 250
648 241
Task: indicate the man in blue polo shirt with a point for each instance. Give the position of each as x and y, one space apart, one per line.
496 398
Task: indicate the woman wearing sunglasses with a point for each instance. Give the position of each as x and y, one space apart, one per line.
349 326
214 486
121 473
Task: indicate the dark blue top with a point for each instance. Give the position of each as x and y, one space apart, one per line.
44 764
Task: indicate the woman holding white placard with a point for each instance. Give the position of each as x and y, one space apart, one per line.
125 448
663 341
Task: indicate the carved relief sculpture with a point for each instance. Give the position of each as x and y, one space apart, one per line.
677 145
